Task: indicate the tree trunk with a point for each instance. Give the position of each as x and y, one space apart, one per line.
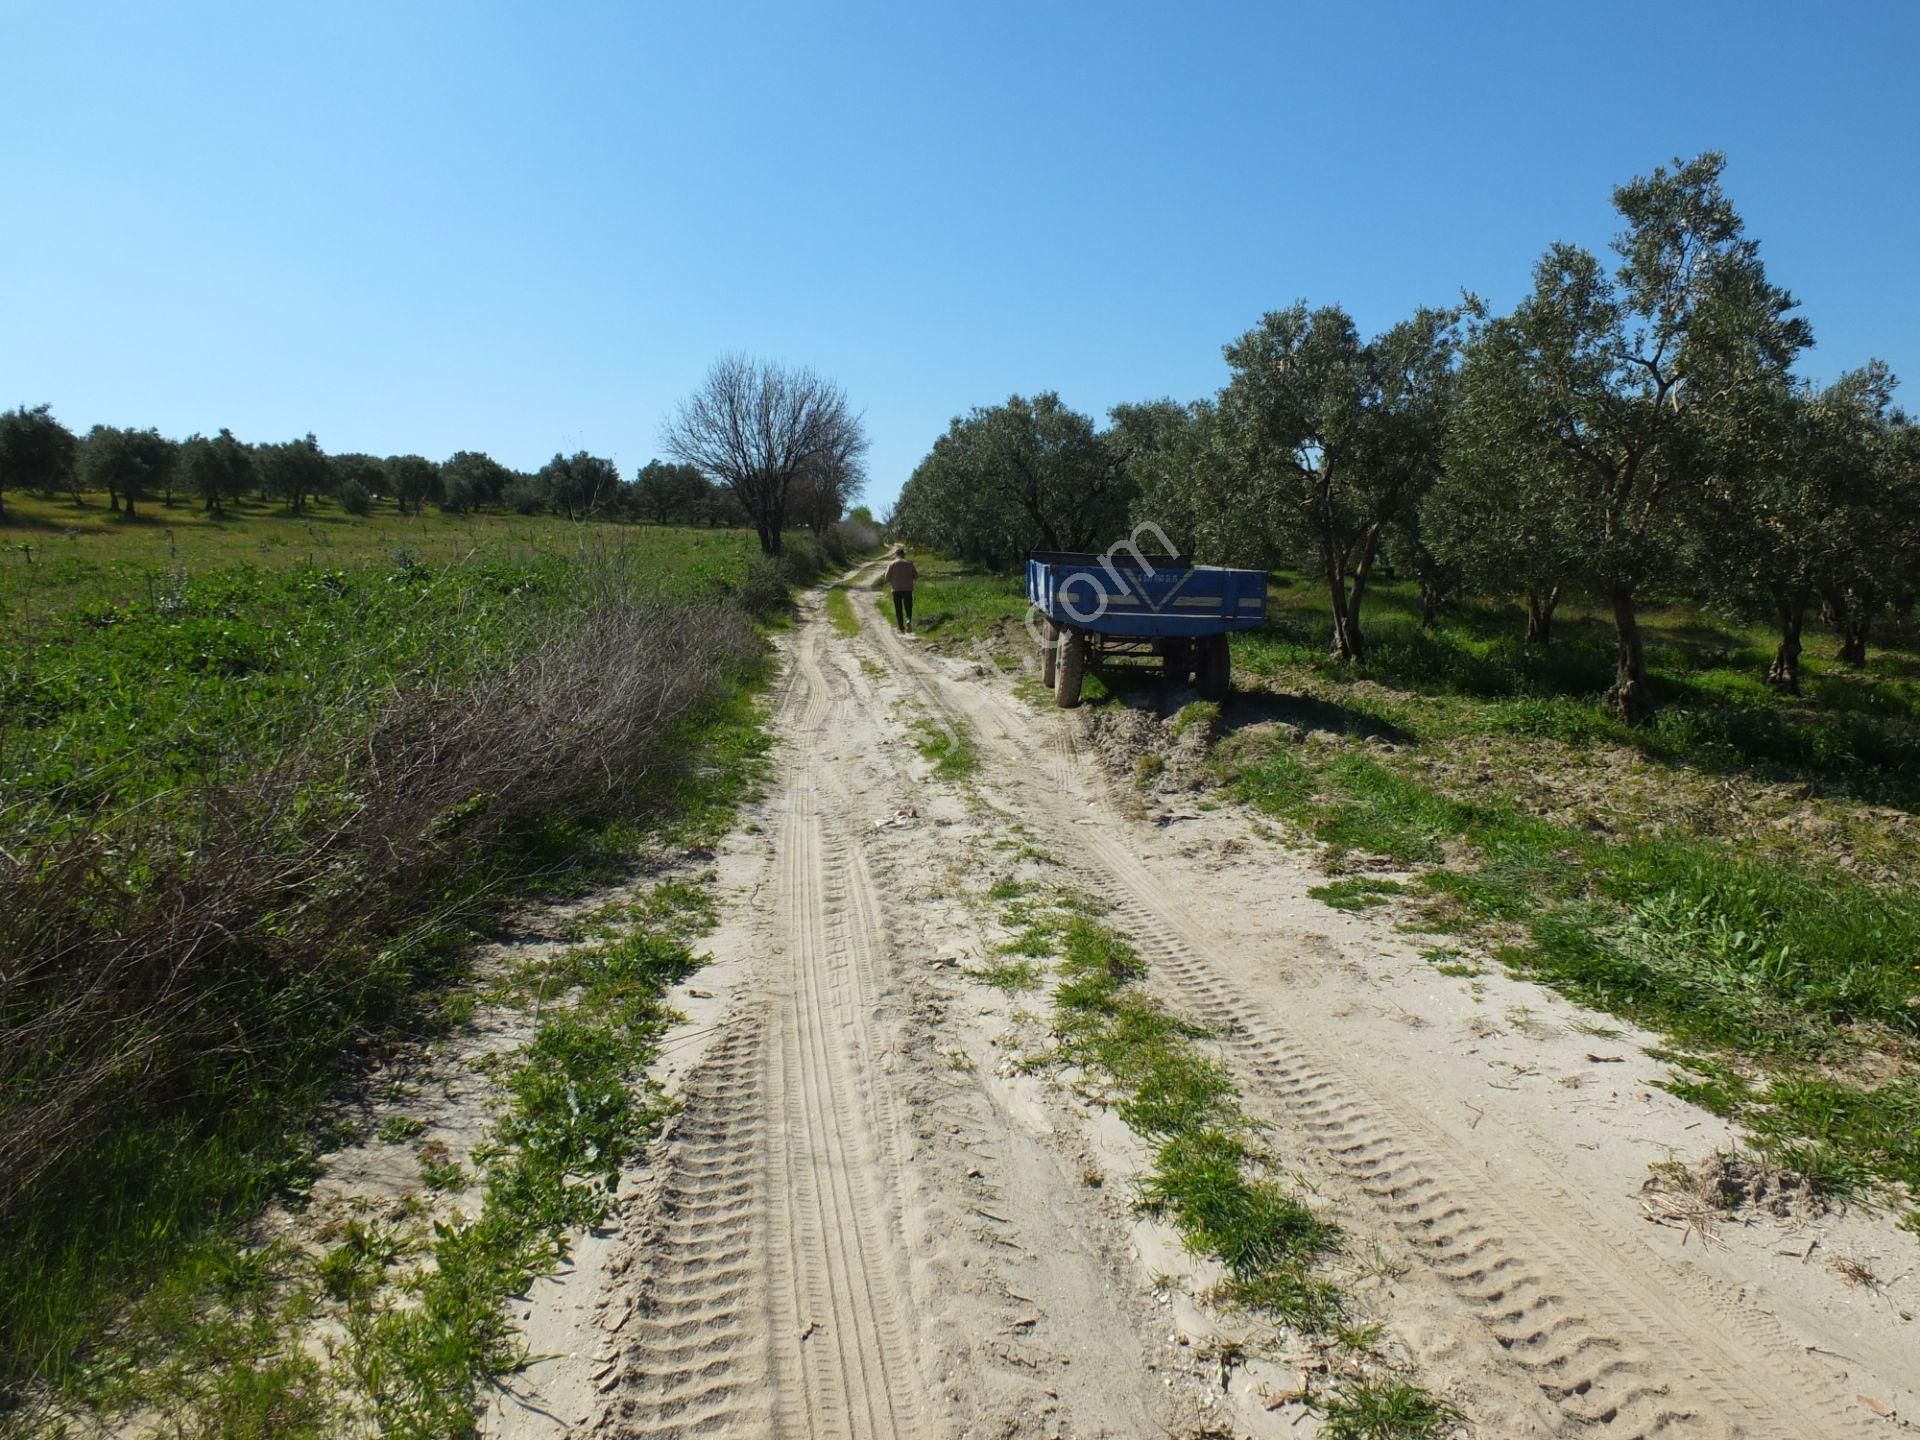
1849 622
1630 697
1346 634
1430 599
1784 673
1348 643
1540 610
1853 639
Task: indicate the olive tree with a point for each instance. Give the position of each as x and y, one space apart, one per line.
37 452
217 470
663 492
470 479
1605 388
415 480
578 485
1489 515
1029 474
129 465
1330 440
1862 449
294 471
759 428
357 478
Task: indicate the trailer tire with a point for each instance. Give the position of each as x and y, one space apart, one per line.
1049 651
1216 668
1068 670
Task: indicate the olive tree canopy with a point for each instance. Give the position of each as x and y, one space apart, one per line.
1603 391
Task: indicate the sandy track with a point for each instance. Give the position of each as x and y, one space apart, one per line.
774 1284
841 1233
1617 1338
855 1228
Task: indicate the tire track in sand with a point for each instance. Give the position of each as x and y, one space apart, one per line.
775 1298
1620 1341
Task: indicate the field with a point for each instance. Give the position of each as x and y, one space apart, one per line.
58 555
260 778
1741 876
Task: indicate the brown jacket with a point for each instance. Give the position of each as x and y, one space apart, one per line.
901 575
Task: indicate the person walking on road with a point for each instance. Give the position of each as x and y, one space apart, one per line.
901 575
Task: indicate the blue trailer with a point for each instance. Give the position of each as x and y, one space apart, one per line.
1101 608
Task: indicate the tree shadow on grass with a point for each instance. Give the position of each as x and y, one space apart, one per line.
1244 710
1849 736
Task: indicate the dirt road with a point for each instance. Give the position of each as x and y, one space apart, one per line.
875 1217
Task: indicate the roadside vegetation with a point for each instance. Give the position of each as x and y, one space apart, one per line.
262 778
1739 876
840 611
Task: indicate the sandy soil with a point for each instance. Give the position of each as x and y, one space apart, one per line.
871 1219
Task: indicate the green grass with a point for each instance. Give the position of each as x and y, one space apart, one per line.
55 556
579 1107
219 1345
1357 892
1797 979
1016 977
129 679
150 666
1384 1408
1204 1179
947 745
1471 677
1207 1176
840 611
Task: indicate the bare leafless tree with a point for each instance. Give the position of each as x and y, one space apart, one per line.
761 429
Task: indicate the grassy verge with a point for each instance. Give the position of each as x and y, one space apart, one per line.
577 1107
234 826
1791 996
416 1296
1833 772
840 611
1208 1176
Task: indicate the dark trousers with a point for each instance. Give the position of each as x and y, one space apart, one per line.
902 609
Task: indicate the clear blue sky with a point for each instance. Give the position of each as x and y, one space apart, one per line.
522 228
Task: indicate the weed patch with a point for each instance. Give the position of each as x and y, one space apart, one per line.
840 611
1358 892
1207 1179
947 746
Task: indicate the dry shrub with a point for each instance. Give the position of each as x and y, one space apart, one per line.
142 953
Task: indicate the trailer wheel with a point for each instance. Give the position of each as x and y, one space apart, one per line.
1068 669
1216 666
1049 651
